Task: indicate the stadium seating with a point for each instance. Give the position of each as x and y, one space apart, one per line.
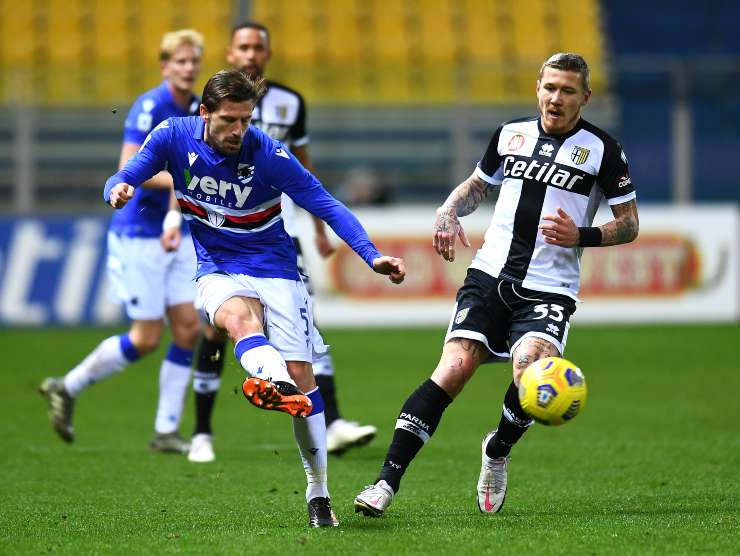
412 52
423 52
97 52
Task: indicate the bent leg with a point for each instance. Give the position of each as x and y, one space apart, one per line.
514 421
243 320
112 355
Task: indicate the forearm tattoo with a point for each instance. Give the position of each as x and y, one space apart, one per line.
624 227
467 196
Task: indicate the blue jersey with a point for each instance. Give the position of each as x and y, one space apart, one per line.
143 216
232 203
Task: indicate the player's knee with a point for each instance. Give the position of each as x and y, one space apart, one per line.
238 326
146 343
530 350
185 332
456 366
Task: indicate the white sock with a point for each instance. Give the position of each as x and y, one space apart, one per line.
260 359
310 435
106 359
174 376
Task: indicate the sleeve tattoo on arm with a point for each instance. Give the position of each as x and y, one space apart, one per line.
462 201
624 227
468 195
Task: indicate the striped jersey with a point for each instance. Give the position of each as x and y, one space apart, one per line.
539 173
232 203
143 216
281 113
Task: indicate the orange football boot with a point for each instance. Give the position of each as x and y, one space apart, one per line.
276 396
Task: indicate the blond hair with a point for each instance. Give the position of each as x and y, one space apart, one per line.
175 39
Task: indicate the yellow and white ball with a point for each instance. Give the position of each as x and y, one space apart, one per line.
552 391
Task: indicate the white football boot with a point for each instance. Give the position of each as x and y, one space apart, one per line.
342 435
201 449
492 480
374 500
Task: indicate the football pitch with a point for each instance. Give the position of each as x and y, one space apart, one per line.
651 466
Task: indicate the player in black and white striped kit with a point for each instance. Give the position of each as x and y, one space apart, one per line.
552 170
281 113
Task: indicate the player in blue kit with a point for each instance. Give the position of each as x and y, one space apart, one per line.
151 282
228 179
281 113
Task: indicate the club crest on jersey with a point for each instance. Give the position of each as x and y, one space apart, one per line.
215 219
579 155
245 172
516 142
461 315
546 150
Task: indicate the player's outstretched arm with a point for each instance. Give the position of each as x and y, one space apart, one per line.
392 267
120 194
463 200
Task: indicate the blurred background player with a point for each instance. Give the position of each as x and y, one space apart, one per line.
521 289
153 284
281 113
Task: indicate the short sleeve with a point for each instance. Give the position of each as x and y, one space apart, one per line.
298 132
491 160
614 175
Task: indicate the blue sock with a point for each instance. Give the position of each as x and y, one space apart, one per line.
128 348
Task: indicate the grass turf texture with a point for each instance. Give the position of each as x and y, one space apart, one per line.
651 466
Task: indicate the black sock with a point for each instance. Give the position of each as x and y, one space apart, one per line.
329 393
513 424
416 423
209 362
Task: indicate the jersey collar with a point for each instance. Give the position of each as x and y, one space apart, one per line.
213 156
576 129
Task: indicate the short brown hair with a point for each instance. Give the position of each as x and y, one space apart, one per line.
568 61
175 39
231 85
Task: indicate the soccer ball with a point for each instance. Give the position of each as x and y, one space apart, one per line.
552 391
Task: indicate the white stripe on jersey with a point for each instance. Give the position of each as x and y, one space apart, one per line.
223 209
622 199
218 223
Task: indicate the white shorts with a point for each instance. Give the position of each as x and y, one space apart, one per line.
146 278
288 310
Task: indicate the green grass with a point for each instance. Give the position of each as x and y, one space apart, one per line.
651 467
